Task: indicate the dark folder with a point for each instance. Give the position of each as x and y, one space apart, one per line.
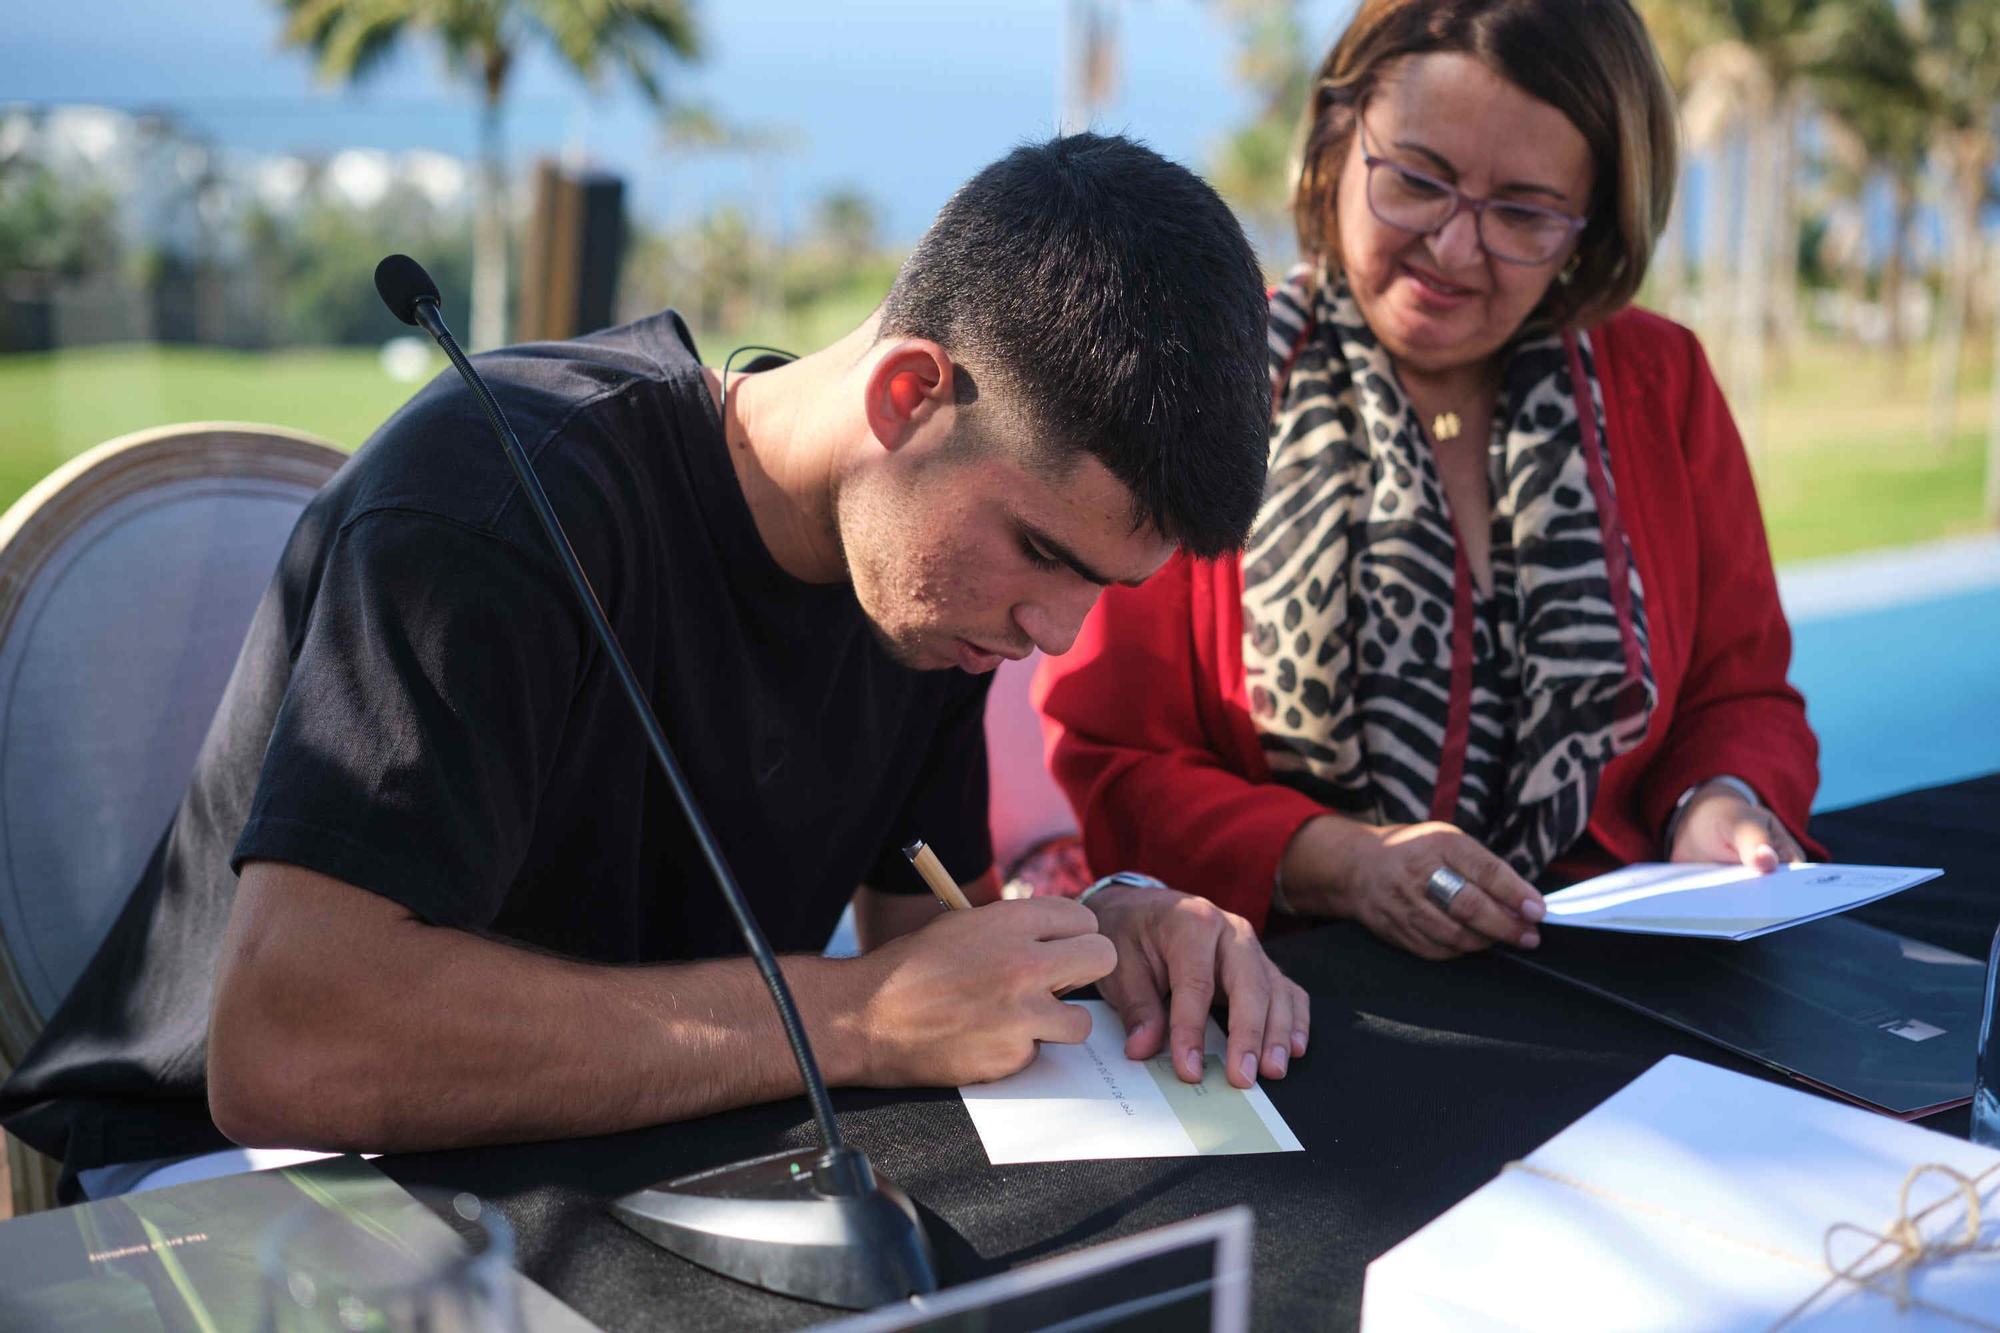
1877 1018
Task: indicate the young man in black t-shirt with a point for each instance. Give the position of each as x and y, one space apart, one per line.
469 910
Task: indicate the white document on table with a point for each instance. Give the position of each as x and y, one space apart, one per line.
1698 1198
1088 1103
1723 902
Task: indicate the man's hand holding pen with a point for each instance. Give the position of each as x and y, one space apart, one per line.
965 999
1173 955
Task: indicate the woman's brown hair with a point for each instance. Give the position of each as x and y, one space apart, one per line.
1589 59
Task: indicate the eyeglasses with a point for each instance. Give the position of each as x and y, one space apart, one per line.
1514 233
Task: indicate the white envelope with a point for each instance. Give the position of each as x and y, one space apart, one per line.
1723 902
1087 1102
1695 1198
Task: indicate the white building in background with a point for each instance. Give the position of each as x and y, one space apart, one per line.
444 180
185 207
359 177
180 194
280 184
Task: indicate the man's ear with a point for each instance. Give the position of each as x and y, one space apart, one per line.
910 382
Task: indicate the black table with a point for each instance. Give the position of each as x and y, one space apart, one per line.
1421 1081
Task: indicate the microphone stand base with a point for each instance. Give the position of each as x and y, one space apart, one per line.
809 1224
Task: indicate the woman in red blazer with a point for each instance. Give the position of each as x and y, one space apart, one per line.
1508 613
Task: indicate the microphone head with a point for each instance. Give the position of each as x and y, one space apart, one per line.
402 284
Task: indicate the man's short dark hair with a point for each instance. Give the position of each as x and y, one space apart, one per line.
1113 296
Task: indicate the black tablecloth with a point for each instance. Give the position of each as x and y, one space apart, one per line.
1421 1081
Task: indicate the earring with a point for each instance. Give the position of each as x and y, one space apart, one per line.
1568 272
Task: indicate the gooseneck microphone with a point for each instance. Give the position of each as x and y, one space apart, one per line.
406 289
817 1223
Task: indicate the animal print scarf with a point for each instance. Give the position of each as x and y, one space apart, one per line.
1382 685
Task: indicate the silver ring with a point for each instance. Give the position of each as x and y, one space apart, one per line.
1444 886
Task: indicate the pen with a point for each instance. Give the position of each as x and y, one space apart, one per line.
932 869
927 864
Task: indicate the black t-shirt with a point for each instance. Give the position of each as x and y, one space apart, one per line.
420 710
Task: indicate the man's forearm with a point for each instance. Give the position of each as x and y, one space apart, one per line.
450 1039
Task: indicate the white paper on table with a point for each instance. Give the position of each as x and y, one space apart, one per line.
1088 1102
1695 1198
1723 902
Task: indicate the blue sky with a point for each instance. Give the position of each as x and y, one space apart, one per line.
903 100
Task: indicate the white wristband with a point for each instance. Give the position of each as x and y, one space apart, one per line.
1735 784
1131 877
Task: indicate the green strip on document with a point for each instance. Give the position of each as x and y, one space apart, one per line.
1218 1117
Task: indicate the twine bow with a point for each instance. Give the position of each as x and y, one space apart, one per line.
1904 1236
1911 1250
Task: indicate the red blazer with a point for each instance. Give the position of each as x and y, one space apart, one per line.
1147 719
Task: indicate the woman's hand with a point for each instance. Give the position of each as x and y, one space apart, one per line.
1377 876
1717 824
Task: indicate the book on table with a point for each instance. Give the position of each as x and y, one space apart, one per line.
191 1256
1875 1017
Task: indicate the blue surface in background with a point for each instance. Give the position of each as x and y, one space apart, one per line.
1903 697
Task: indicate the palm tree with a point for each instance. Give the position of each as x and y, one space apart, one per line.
696 128
1755 66
848 223
1958 65
481 40
1677 34
1090 63
1730 59
1254 166
1878 128
1726 115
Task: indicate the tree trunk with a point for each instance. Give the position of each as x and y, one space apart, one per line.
1090 64
764 168
1715 250
1893 277
489 233
1961 214
1753 281
1992 509
1670 262
1783 270
1851 216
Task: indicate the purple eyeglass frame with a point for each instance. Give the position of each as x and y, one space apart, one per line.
1461 202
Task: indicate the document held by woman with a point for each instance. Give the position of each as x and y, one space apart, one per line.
1723 902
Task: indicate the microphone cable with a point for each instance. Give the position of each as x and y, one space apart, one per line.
412 297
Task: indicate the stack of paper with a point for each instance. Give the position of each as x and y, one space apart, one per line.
1696 1198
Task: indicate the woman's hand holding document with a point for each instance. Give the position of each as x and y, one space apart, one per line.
1723 902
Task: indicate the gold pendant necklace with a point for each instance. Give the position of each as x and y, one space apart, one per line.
1445 426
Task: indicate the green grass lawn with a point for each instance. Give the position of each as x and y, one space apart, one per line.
1845 466
1847 463
55 405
